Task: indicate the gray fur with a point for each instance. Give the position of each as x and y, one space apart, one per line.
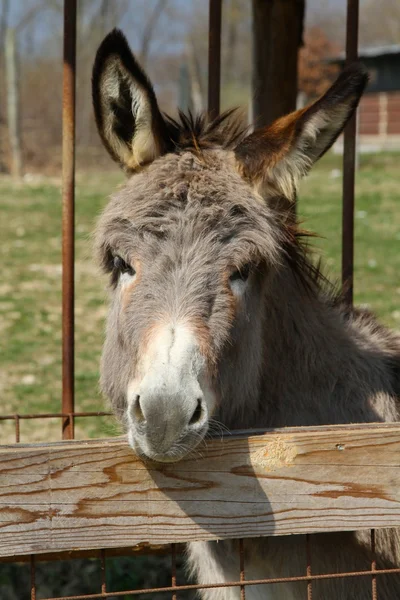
291 355
285 352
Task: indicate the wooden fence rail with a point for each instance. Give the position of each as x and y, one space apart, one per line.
97 494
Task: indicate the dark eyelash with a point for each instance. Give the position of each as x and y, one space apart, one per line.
119 266
241 274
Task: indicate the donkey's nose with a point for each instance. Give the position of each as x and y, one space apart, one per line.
167 408
137 412
164 418
198 413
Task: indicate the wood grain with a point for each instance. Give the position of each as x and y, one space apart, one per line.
98 494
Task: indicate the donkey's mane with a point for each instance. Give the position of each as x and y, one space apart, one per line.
299 256
198 132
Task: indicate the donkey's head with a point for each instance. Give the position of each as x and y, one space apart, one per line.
192 243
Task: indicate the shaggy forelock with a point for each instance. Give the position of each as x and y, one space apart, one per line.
197 132
194 202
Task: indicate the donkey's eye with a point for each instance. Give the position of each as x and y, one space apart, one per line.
241 274
120 266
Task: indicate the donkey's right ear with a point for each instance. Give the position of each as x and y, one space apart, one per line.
125 106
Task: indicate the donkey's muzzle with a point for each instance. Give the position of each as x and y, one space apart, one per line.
168 408
167 426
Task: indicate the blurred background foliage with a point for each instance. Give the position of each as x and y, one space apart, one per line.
170 38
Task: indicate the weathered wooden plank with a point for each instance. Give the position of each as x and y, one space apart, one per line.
98 494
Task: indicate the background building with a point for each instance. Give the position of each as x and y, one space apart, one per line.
379 114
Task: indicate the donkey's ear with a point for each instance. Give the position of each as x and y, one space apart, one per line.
125 106
275 158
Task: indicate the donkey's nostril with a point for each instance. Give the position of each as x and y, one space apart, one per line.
137 410
198 413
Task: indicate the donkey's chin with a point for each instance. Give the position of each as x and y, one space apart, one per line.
178 451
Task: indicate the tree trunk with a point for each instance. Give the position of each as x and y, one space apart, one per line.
149 30
4 19
277 36
185 90
13 108
198 92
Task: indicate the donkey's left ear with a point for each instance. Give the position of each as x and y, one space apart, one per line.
125 106
275 158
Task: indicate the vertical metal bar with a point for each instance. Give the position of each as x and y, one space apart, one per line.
71 426
373 566
173 569
214 58
242 573
68 214
17 429
103 571
33 577
308 553
349 163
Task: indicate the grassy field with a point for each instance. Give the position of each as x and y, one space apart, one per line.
30 284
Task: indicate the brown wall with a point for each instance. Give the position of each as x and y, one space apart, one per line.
380 114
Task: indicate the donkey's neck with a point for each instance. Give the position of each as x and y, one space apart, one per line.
302 363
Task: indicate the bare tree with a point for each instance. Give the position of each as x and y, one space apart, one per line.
149 29
316 73
4 20
196 79
233 15
13 103
12 84
235 51
380 22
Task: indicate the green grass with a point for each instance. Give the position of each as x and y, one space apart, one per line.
30 284
30 303
377 228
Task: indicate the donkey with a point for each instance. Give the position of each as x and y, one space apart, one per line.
218 313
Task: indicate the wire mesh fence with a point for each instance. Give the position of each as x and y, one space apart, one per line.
101 578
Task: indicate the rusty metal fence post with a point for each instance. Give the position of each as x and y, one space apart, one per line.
68 215
349 163
214 58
